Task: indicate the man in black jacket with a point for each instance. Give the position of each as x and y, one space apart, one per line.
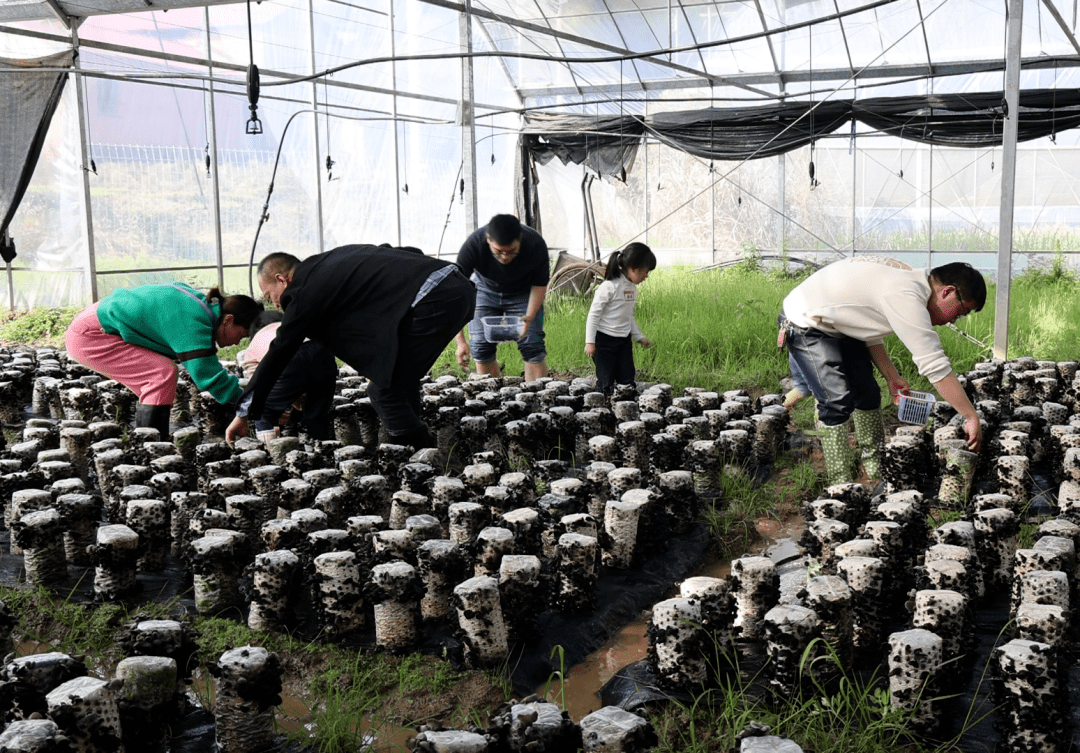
387 312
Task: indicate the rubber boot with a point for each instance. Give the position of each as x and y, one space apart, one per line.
154 416
870 436
419 438
792 397
837 451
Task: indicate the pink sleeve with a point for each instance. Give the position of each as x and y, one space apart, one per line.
256 349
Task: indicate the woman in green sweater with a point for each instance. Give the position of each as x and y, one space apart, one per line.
136 335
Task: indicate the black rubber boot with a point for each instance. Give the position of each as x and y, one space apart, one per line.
154 416
417 438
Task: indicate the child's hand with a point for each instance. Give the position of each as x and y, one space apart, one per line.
590 349
645 342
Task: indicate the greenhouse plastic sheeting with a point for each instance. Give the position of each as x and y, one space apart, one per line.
28 101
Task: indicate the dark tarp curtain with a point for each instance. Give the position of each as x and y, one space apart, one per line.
970 120
607 145
748 132
28 100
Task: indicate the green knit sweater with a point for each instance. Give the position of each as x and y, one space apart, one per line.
169 321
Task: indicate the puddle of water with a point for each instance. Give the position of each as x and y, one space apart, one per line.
579 695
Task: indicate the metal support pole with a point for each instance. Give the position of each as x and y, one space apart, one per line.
781 160
712 217
6 239
854 190
91 263
930 212
1008 178
781 197
215 192
645 148
393 110
315 107
468 122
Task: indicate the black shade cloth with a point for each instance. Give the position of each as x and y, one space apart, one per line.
28 100
607 145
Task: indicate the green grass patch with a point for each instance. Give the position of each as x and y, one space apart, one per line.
56 623
38 326
832 710
742 501
716 329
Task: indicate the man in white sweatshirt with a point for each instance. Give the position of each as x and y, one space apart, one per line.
835 323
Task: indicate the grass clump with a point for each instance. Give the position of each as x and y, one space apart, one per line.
743 500
38 326
56 623
220 634
342 696
831 710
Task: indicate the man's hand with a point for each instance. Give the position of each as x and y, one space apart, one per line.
898 386
590 349
525 322
973 429
463 354
645 342
238 428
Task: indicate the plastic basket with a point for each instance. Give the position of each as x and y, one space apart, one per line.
915 407
501 328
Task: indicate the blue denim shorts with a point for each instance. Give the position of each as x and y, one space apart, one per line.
492 303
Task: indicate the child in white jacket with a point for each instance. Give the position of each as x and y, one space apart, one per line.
611 328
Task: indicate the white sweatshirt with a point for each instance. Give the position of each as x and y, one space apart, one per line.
612 311
867 298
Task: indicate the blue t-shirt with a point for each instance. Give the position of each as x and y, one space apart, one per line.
529 269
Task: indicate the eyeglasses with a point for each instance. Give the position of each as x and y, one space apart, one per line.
504 252
963 307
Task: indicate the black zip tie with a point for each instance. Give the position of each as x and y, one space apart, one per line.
405 163
900 174
89 138
329 161
1053 112
206 132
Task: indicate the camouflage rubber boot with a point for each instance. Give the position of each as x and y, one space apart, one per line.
870 436
837 451
793 396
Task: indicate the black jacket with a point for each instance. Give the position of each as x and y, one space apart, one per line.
351 300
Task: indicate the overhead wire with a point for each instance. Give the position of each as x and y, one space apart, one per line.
264 216
725 176
928 194
593 60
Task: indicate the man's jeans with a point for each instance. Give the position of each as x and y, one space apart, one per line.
312 373
837 369
422 337
491 303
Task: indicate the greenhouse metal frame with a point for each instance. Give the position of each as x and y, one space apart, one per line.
412 121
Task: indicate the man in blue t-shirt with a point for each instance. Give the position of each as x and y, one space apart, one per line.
509 262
